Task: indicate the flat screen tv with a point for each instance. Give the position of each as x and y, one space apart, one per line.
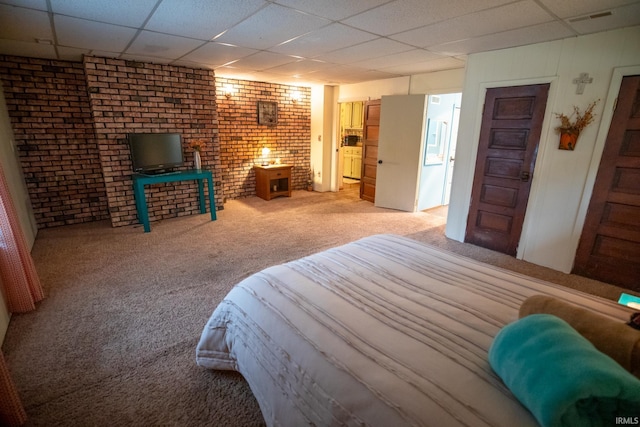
155 152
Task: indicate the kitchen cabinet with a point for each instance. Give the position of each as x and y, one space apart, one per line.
351 115
357 115
352 165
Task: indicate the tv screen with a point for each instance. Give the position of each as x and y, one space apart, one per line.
155 152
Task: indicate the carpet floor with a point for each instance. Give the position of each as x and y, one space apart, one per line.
113 343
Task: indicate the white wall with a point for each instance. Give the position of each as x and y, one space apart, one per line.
324 105
317 132
330 145
438 82
563 180
374 89
18 189
429 83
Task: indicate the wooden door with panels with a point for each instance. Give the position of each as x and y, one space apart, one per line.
509 137
371 130
609 248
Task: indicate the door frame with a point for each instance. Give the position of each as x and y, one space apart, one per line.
546 144
601 138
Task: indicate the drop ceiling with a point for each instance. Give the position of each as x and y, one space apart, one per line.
299 42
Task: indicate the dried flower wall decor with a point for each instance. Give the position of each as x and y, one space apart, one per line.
571 126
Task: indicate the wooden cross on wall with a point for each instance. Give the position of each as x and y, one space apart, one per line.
582 80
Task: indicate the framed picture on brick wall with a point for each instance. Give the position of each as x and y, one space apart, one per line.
267 113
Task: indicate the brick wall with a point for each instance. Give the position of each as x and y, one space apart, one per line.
131 97
242 138
52 124
71 119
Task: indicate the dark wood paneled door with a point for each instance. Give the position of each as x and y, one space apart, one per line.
370 150
509 137
609 248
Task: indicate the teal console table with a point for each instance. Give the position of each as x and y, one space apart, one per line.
140 180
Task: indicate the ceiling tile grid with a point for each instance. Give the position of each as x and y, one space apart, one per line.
299 41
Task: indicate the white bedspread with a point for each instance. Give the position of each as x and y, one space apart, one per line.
384 331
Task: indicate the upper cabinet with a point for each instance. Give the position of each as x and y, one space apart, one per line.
357 115
352 115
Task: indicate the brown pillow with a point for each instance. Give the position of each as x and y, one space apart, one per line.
619 341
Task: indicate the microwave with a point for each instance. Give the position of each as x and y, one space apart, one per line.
351 140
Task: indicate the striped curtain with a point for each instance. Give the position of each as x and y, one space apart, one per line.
17 271
11 411
22 289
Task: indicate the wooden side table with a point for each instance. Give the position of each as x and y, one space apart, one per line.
273 181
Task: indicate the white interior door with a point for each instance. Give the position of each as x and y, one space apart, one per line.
400 149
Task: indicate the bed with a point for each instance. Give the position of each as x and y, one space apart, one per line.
383 331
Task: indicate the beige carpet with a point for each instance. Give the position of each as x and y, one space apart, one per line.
113 343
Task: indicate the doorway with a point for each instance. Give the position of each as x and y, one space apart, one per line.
350 138
433 146
443 115
416 149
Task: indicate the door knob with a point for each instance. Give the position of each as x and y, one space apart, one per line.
379 162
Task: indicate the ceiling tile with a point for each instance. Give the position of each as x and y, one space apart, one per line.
31 4
72 53
24 24
403 15
74 32
572 8
232 73
20 48
376 75
299 67
332 9
624 16
110 11
342 74
263 60
271 26
368 50
326 39
201 19
162 45
411 56
373 38
152 59
217 54
535 34
503 18
446 63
